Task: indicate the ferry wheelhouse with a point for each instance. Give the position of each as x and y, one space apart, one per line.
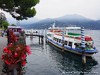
70 41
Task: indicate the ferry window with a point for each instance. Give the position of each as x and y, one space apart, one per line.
49 35
56 39
65 42
59 40
70 44
77 45
88 46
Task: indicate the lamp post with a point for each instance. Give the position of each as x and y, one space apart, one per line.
1 17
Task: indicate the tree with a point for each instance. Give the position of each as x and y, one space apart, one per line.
5 24
2 20
13 25
19 9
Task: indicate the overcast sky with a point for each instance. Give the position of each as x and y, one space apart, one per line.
58 8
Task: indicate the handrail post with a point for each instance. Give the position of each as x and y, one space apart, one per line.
83 45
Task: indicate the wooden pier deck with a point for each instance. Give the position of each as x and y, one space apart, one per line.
37 33
34 35
41 37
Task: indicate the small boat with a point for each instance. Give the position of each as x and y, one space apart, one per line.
62 38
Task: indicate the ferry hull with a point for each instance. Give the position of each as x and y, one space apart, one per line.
69 50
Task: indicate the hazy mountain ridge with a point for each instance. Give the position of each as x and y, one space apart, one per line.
67 20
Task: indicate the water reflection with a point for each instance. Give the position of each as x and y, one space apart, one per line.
47 60
69 63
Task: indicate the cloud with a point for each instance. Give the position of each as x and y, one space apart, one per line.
57 8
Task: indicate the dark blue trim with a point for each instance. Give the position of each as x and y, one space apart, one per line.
73 49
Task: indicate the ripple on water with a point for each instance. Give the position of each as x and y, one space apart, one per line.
51 61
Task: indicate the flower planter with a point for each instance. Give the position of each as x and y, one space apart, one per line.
15 54
12 67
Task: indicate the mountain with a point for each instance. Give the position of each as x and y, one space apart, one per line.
73 17
98 21
29 21
23 22
41 24
67 20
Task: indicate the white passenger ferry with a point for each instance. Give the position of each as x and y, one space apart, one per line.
70 41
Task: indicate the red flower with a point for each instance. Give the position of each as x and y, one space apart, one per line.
23 57
15 54
9 52
17 61
28 50
12 36
6 50
2 57
10 45
18 48
7 62
23 63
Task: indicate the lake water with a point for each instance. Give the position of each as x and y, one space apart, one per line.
48 60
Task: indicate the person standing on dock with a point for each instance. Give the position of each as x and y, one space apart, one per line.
8 40
2 32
